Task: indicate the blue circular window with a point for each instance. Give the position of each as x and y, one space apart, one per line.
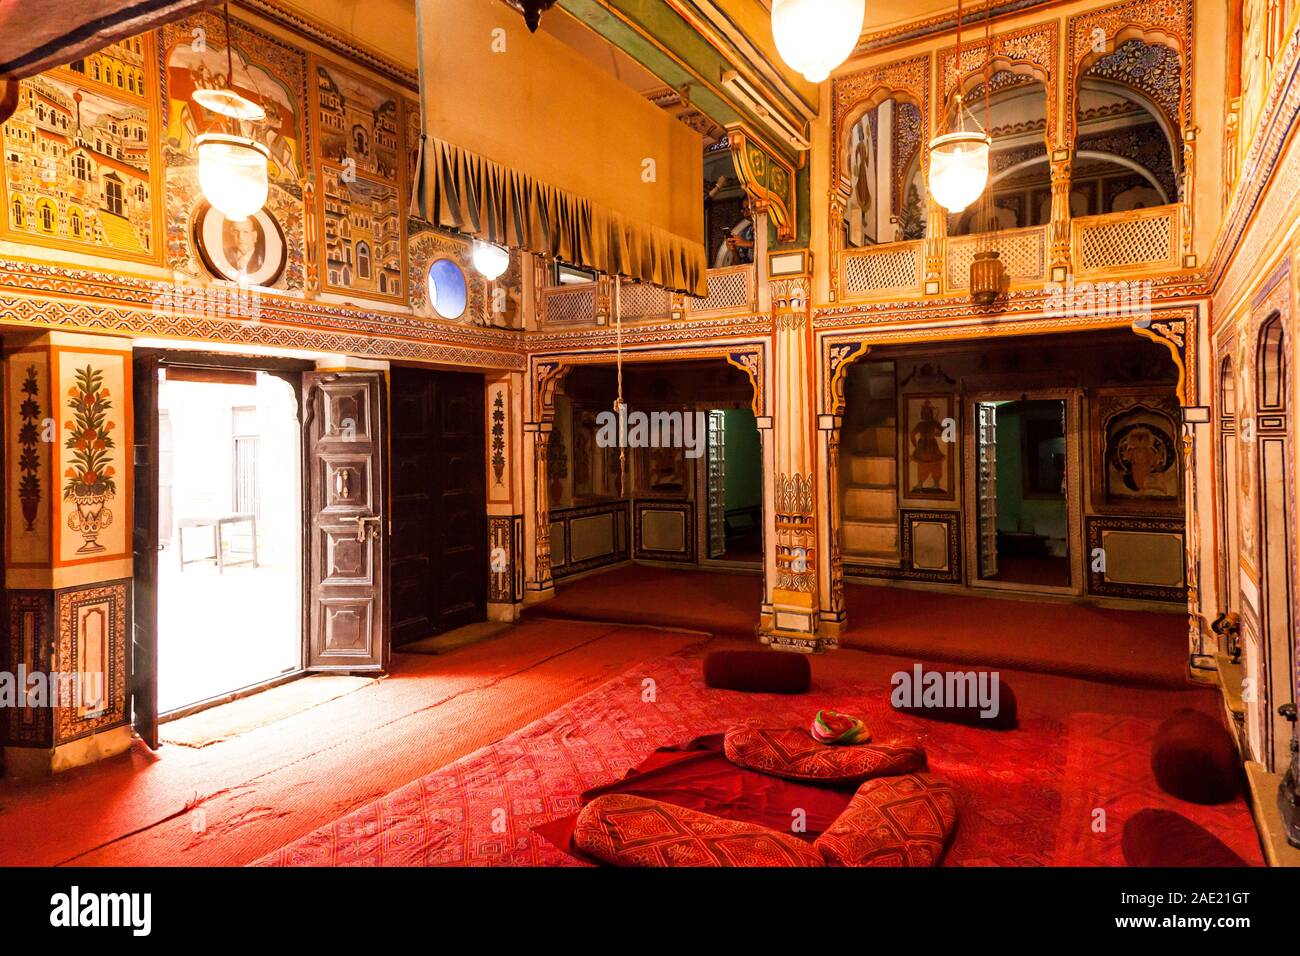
447 292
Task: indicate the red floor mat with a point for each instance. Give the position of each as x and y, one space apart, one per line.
1026 795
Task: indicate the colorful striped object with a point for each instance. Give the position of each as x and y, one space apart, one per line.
832 727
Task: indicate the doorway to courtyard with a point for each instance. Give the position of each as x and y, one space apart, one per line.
230 517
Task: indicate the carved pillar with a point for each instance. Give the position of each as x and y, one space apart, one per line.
537 536
793 555
936 234
1059 249
506 500
833 616
837 204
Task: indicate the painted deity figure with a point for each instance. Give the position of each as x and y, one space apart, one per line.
927 453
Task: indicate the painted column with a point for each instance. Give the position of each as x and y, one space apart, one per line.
537 535
68 546
793 556
503 416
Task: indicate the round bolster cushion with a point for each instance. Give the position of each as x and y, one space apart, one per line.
1193 758
1165 838
759 672
952 694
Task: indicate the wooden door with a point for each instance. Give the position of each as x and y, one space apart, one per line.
986 490
717 484
343 424
440 560
143 680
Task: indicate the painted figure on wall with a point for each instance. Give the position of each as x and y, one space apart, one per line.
1141 456
929 472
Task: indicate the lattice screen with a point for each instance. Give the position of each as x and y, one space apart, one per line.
641 301
571 305
1023 253
1126 242
894 266
728 291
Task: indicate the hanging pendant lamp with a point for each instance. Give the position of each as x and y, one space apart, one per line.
816 36
232 168
959 161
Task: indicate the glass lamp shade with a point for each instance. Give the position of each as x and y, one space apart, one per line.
816 36
959 169
232 174
229 103
490 260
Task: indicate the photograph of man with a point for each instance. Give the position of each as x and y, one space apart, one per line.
244 245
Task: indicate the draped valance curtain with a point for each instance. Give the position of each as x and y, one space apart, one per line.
494 202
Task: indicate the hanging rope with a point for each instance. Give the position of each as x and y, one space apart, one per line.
619 404
987 198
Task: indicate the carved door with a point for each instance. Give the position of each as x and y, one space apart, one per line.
144 547
343 423
986 491
717 481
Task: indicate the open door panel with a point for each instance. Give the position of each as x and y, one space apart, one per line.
144 547
343 441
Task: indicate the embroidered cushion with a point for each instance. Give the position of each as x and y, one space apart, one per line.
893 821
628 830
759 672
792 753
1193 757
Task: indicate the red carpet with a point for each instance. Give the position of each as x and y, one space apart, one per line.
709 601
234 801
1026 796
1139 648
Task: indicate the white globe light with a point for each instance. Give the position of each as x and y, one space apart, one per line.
959 169
490 259
232 174
816 36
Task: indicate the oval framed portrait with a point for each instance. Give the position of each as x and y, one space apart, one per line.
249 251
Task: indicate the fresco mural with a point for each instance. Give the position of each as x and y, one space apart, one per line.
93 441
266 72
362 217
78 152
1137 464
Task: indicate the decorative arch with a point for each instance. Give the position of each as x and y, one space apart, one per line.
853 94
1031 50
1164 22
1270 364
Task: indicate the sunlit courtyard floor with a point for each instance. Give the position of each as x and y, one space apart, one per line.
221 632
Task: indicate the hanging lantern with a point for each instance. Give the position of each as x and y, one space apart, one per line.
490 259
232 174
816 36
986 277
959 161
959 168
232 169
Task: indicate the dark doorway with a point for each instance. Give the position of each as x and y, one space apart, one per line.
439 534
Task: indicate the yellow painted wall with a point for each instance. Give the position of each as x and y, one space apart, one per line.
531 103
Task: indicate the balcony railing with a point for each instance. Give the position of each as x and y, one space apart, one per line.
1142 240
731 291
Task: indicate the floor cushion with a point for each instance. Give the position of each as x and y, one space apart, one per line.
971 713
1166 838
893 821
1193 758
627 830
759 672
791 752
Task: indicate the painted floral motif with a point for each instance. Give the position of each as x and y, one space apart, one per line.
29 461
90 482
499 436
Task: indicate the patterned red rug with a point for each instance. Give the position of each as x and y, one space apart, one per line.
1027 796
